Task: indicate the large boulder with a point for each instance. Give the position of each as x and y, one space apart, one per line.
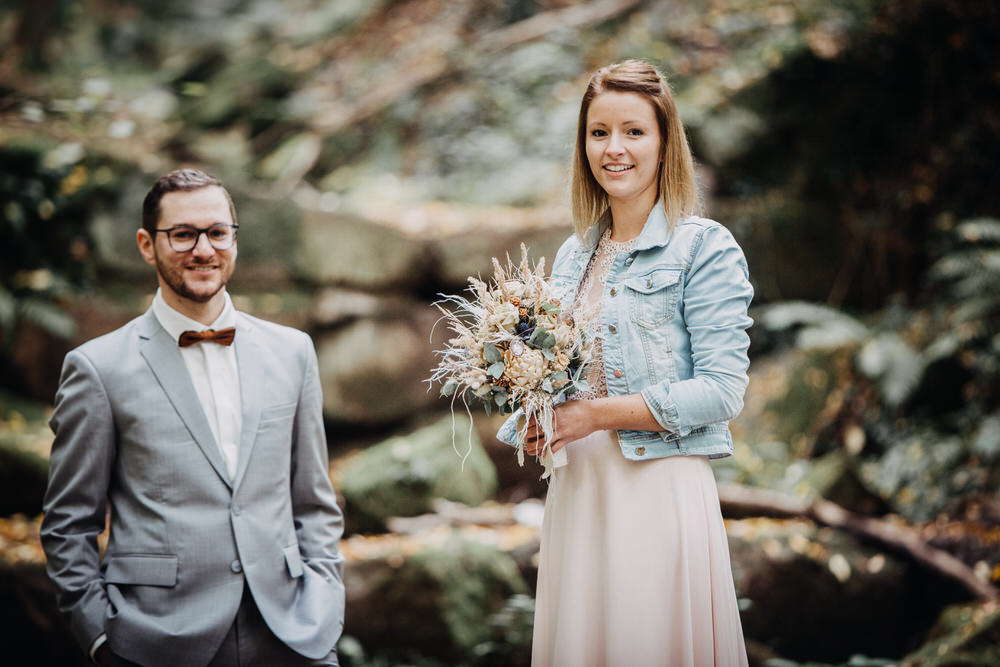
404 474
467 240
372 369
448 598
816 594
352 251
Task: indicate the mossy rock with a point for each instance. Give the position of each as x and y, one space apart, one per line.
440 602
403 475
964 635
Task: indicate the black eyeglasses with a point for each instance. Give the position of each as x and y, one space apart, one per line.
184 238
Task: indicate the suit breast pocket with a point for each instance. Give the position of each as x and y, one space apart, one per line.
653 296
277 413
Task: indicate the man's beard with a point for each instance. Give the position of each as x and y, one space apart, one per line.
173 277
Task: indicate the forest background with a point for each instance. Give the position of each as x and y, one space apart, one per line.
382 151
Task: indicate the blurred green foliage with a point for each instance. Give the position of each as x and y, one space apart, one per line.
47 197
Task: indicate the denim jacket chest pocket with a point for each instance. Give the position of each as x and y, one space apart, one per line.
653 296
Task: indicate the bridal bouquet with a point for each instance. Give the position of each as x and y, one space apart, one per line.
515 346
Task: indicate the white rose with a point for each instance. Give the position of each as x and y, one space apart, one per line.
504 316
565 336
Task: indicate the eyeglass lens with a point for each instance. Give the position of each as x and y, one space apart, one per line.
220 236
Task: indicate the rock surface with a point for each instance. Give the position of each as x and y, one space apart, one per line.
401 476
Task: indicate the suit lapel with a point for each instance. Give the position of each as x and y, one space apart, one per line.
252 383
164 359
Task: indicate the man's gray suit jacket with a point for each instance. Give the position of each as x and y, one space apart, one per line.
129 429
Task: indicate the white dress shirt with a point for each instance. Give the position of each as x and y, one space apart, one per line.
213 372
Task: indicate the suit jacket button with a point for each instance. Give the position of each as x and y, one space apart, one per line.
236 567
640 450
618 373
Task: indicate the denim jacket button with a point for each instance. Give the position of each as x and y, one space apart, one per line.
618 373
628 261
612 328
640 450
613 291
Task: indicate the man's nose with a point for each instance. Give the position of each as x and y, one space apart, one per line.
202 246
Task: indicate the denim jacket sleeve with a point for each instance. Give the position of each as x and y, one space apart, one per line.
716 296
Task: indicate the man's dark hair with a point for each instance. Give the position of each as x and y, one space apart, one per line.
179 180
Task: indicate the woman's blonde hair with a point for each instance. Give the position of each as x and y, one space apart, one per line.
676 186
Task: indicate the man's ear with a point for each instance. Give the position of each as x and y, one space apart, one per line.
144 240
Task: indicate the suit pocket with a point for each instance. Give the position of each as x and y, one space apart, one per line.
293 560
142 570
653 296
274 413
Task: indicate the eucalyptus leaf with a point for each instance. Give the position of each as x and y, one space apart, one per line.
449 387
549 340
558 375
551 308
548 354
491 353
488 406
500 398
496 370
547 385
581 385
537 337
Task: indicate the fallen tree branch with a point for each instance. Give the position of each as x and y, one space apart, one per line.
743 500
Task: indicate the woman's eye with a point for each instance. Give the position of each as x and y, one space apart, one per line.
598 133
635 132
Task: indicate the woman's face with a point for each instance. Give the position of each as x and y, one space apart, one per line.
624 146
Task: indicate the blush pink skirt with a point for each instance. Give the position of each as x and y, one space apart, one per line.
634 565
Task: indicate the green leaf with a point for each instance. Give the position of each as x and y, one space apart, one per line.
547 385
582 385
551 308
537 336
549 340
500 398
558 375
491 353
488 406
548 354
449 387
496 370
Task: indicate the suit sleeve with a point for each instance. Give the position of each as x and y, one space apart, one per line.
75 506
318 520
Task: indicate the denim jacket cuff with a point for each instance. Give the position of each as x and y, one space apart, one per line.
664 410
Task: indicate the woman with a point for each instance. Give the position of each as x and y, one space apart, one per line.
634 567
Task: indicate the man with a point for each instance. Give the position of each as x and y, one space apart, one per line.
202 426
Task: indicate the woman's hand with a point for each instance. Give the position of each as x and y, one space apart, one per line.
571 421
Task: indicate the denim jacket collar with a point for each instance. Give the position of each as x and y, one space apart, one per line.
655 231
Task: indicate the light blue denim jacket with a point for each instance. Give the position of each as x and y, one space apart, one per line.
673 328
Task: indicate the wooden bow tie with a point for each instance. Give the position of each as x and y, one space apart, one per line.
222 337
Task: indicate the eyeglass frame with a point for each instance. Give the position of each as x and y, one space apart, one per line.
198 233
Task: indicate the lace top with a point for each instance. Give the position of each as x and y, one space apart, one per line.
588 300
